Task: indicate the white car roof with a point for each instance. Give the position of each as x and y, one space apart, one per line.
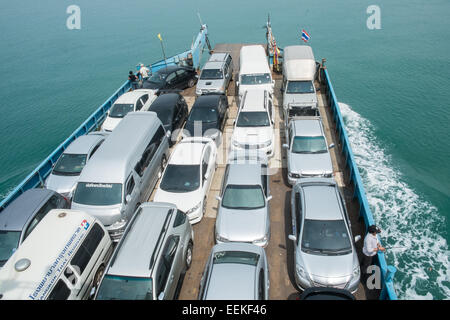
51 244
132 96
254 100
299 63
253 60
189 151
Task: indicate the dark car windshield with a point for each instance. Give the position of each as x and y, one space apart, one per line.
300 87
239 257
325 237
203 115
181 178
243 197
260 78
69 164
120 110
9 241
98 194
309 145
165 114
253 119
125 288
210 74
158 77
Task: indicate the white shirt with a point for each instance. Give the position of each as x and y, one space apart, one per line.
370 243
144 72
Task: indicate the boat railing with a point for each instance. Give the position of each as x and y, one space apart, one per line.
387 271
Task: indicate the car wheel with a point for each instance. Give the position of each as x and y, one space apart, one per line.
188 257
98 277
191 83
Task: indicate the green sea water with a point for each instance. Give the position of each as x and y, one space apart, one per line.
393 82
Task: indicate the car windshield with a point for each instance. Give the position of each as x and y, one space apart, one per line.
120 110
203 115
253 119
69 164
125 288
243 197
325 237
300 87
9 241
181 178
260 78
98 194
158 77
239 257
210 74
309 145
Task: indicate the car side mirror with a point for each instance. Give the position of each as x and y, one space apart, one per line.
357 238
219 198
292 237
331 146
269 198
237 83
128 198
161 296
168 134
318 89
285 146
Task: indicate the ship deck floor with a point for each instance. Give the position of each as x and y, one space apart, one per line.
280 249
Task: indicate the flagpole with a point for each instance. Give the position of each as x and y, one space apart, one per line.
162 47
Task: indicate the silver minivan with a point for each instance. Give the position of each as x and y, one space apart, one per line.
324 248
216 74
152 257
123 172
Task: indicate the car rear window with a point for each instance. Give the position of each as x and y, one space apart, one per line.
239 257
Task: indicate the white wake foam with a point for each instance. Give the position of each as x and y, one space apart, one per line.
410 225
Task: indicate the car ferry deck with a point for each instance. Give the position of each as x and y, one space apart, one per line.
280 249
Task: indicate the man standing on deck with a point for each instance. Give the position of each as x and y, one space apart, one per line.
144 71
133 79
370 249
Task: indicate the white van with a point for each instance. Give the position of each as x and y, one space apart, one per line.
299 72
63 258
254 71
123 172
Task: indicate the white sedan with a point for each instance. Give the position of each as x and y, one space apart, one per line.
136 100
188 176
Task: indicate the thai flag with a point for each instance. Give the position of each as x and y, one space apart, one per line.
305 35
